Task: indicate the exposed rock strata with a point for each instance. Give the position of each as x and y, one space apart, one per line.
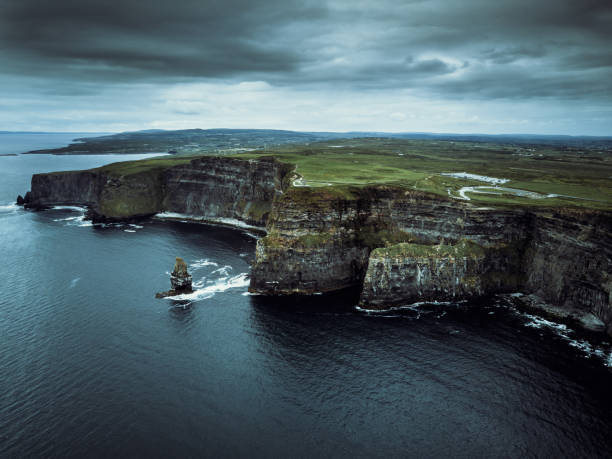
224 188
76 188
319 240
405 273
324 239
206 187
180 279
569 261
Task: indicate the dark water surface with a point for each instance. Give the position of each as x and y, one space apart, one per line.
91 364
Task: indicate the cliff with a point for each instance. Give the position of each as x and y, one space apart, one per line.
78 188
212 187
208 187
396 245
320 239
406 273
569 260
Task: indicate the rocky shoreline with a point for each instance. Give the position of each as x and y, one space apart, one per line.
393 244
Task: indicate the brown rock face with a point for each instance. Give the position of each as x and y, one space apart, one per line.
179 279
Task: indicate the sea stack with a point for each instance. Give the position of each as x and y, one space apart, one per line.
179 279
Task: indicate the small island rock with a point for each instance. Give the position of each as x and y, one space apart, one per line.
180 279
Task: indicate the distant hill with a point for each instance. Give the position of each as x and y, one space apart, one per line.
227 141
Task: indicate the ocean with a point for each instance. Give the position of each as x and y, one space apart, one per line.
91 364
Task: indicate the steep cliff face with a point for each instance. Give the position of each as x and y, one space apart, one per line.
312 244
324 239
108 195
208 187
224 188
406 273
77 188
129 196
320 239
432 219
569 260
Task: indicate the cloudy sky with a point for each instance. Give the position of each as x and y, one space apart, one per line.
488 66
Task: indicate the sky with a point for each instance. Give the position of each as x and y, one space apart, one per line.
461 66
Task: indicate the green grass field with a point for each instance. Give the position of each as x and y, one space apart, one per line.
582 178
585 177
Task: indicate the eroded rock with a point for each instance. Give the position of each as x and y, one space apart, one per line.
180 279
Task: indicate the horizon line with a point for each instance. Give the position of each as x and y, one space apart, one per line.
515 134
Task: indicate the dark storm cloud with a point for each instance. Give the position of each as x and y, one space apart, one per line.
134 39
459 49
506 55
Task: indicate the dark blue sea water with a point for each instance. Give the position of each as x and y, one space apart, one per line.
91 364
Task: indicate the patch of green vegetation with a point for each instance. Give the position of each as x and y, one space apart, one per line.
579 180
323 174
323 197
145 165
185 141
371 237
308 241
463 249
133 194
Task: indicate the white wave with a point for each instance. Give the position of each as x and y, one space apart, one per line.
564 332
540 322
129 230
221 285
202 263
9 207
75 208
78 220
211 220
136 226
411 306
223 271
360 309
237 223
73 282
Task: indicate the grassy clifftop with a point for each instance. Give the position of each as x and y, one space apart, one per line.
144 165
531 176
484 173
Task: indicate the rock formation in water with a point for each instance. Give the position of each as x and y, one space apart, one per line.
24 201
180 279
395 245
